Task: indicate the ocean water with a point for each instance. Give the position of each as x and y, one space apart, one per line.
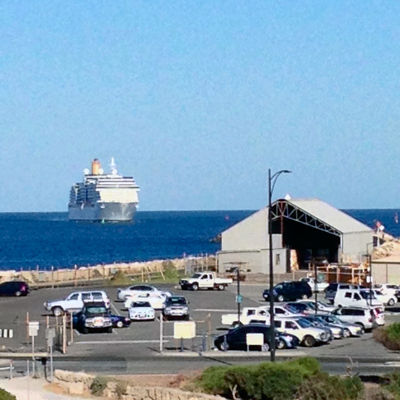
28 240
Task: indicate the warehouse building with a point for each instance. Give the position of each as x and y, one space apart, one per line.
303 230
386 270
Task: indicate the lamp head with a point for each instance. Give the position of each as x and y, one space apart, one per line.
286 171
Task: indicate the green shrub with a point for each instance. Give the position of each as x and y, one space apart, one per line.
170 272
388 336
212 381
120 279
393 384
323 386
4 395
98 385
265 381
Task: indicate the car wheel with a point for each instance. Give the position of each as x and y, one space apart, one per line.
361 324
17 293
109 330
85 330
309 341
390 302
120 324
221 287
346 333
280 298
280 344
265 347
304 297
195 286
57 311
187 318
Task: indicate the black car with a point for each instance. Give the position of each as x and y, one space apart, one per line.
289 291
236 338
94 316
14 288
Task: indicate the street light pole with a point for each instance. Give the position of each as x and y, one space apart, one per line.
271 184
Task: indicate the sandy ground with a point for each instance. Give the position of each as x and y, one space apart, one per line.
34 389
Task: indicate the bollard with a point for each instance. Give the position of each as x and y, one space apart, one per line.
182 348
5 333
11 333
204 343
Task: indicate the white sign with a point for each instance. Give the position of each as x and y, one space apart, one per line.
33 328
254 339
184 330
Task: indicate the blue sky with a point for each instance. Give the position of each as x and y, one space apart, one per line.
197 99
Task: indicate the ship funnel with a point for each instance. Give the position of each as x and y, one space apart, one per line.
95 167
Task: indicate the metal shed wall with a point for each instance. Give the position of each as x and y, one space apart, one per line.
355 244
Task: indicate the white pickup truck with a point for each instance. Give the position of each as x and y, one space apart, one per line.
248 314
204 280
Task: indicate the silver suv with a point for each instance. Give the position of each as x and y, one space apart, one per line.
364 317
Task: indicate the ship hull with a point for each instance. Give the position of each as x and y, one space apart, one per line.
107 212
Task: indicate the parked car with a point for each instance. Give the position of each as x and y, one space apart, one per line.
75 302
331 290
354 297
348 328
118 321
367 318
176 307
157 301
299 308
248 313
387 299
321 306
335 331
236 338
141 311
204 280
387 288
307 334
123 294
289 291
316 286
14 288
94 316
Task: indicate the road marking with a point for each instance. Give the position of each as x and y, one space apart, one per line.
121 342
213 310
77 332
115 309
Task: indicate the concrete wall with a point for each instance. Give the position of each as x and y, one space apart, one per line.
386 273
354 245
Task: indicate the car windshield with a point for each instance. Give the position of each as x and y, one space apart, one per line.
138 304
176 300
196 276
311 305
335 319
96 310
321 303
304 323
295 308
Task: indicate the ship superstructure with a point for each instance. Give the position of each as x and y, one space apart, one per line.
103 197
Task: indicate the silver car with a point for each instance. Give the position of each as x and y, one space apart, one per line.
348 328
336 332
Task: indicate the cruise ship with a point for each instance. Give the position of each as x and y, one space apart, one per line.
103 197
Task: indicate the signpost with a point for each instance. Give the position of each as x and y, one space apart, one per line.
254 339
33 329
184 330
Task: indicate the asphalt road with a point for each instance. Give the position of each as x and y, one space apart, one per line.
136 349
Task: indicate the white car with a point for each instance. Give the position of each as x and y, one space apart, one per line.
157 301
318 286
75 302
357 298
385 298
141 311
248 314
122 294
386 288
307 334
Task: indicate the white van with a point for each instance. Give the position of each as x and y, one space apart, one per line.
356 298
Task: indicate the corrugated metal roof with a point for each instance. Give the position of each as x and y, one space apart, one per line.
330 215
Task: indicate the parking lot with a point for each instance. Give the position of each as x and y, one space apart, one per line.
143 338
